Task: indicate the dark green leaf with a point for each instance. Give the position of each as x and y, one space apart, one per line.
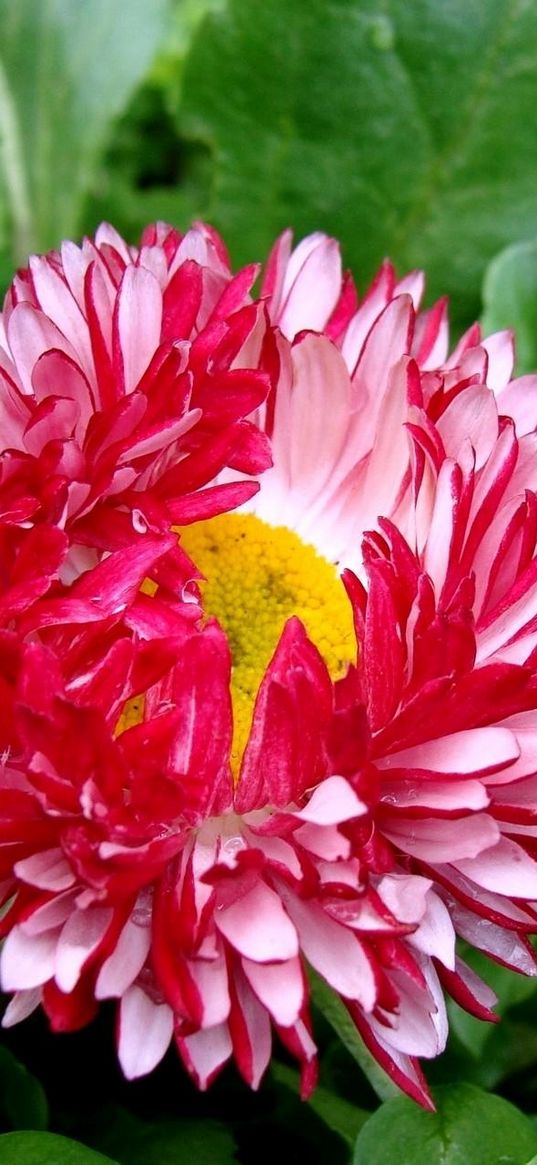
510 299
406 129
470 1127
340 1115
336 1014
47 1149
22 1099
510 989
136 1142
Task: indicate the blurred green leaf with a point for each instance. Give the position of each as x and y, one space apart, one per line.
137 1142
47 1149
340 1115
407 129
510 299
509 987
336 1014
469 1127
22 1099
67 70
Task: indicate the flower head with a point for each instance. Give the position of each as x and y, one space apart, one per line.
309 734
126 379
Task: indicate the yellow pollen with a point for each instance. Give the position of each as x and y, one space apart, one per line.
256 577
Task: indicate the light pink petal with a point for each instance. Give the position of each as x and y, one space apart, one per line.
27 962
519 401
414 1032
387 341
319 416
145 1031
121 968
139 323
48 870
162 438
52 915
501 353
333 950
405 895
435 935
360 325
251 1033
478 750
82 934
504 868
497 941
311 286
444 796
210 977
443 840
279 987
508 623
57 302
325 841
258 927
30 334
206 1052
413 285
21 1006
472 415
441 529
332 802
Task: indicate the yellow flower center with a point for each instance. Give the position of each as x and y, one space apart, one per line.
256 577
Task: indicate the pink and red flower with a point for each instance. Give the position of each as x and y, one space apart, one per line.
376 814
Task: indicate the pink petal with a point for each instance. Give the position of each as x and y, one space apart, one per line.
332 802
139 322
82 934
211 979
145 1031
206 1052
311 286
478 750
435 935
27 962
443 840
21 1006
504 868
258 927
334 951
279 987
48 870
122 967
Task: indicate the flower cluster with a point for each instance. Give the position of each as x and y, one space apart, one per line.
268 653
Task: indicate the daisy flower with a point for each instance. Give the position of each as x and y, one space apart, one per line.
337 765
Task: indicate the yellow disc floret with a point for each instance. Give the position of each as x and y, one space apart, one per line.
256 577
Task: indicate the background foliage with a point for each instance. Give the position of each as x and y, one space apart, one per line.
407 129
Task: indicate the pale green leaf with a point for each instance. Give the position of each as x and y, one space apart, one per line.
67 70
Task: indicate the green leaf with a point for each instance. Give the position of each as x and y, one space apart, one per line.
137 1142
336 1014
340 1115
510 299
66 72
22 1099
509 987
47 1149
404 129
470 1127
